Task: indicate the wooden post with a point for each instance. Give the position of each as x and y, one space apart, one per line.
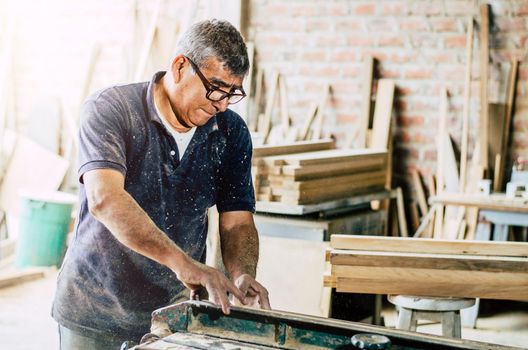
484 62
368 72
439 219
465 113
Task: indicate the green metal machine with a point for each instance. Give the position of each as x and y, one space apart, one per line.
201 325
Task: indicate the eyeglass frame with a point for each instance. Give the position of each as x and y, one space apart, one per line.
210 88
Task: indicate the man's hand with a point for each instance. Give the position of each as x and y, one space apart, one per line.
255 294
195 275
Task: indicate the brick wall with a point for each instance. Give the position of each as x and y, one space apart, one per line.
419 44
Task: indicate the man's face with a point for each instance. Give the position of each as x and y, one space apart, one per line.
194 108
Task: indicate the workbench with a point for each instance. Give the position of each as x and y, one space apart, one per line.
199 325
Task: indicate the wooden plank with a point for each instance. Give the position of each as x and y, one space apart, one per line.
326 157
466 108
265 128
484 63
420 194
248 82
315 171
286 183
415 217
255 110
497 202
496 119
366 101
429 261
382 114
436 283
498 184
285 118
442 121
147 45
305 131
429 246
319 119
13 278
402 221
293 147
29 155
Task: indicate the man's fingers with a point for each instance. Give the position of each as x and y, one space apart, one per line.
235 291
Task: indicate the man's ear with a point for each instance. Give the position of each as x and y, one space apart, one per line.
177 68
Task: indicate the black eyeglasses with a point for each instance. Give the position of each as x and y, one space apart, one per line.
214 93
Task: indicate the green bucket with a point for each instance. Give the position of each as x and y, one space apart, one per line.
44 222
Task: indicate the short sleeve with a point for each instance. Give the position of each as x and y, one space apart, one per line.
102 135
235 191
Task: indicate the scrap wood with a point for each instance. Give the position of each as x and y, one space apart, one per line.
12 278
429 246
319 118
325 157
257 100
465 113
293 147
382 114
484 67
420 193
266 121
305 131
147 44
440 163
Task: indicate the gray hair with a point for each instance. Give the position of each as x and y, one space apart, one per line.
215 38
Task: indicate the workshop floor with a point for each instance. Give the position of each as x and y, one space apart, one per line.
25 321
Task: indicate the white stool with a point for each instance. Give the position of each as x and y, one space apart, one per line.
444 310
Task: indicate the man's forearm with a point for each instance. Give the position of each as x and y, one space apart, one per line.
240 249
129 223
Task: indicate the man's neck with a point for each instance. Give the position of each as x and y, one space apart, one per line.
163 106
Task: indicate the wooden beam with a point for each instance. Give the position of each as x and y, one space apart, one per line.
319 119
420 194
465 113
498 183
440 163
366 101
12 278
484 63
498 202
294 147
382 114
429 246
266 121
149 40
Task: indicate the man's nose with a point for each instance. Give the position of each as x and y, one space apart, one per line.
221 105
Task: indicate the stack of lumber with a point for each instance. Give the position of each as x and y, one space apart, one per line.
317 176
428 267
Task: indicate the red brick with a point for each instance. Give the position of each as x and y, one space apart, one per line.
430 155
411 120
351 71
394 8
348 25
333 9
345 118
391 73
267 39
444 25
347 55
511 24
381 25
315 55
456 41
317 25
414 24
440 57
426 8
364 9
404 57
361 40
346 87
457 7
521 10
278 9
321 71
302 10
391 40
329 40
423 73
422 41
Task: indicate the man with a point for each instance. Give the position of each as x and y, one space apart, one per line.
153 158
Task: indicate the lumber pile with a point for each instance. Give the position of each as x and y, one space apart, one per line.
428 267
317 176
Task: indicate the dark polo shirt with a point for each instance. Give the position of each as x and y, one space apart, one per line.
105 287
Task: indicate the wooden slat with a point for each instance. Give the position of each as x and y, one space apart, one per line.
429 261
430 246
286 183
265 128
366 101
305 131
465 113
12 278
402 221
319 119
326 157
420 194
382 114
484 63
498 183
440 163
294 147
423 282
316 171
497 202
255 111
147 45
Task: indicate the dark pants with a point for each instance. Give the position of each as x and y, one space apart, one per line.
75 340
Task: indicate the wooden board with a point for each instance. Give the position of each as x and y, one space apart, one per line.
294 147
435 283
32 168
316 171
382 114
366 101
498 202
12 278
420 194
484 63
465 112
326 157
287 183
429 261
429 246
